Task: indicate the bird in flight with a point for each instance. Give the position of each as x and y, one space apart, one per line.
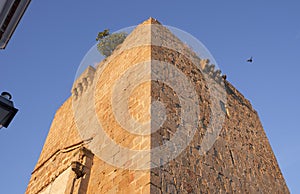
250 60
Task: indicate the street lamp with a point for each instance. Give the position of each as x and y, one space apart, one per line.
7 109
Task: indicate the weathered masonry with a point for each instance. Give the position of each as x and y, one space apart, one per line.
240 160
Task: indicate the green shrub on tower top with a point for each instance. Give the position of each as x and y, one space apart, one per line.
107 43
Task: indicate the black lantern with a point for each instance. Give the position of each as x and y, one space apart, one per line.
7 109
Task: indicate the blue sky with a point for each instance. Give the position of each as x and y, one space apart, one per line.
40 62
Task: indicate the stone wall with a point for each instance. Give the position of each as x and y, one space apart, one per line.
240 160
67 126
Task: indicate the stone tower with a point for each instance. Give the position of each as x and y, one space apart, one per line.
155 117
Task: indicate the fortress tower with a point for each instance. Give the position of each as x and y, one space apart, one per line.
155 117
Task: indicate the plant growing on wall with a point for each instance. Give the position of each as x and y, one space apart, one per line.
107 42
